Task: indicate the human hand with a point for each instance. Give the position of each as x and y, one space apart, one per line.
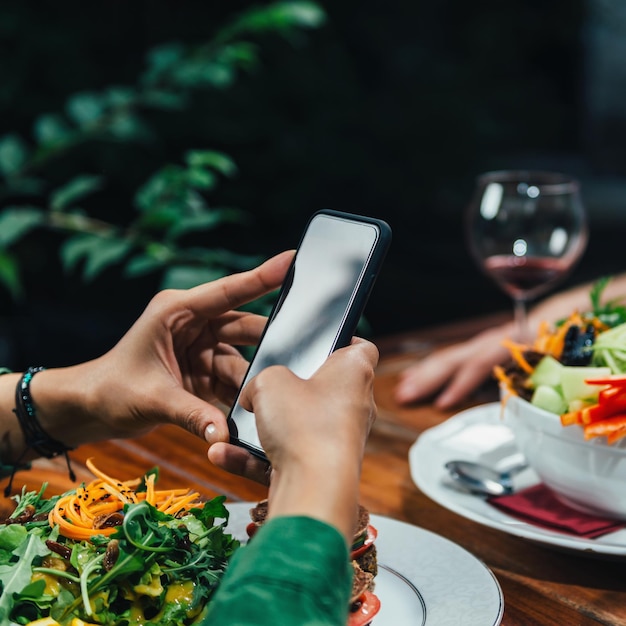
314 433
454 372
458 370
175 361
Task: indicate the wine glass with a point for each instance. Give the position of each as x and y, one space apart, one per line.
526 230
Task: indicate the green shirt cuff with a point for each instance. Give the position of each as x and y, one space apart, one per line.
296 570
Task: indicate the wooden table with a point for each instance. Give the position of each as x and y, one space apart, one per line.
540 585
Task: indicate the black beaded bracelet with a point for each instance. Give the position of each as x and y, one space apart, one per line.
35 437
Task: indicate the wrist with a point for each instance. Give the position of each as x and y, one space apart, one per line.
61 398
296 491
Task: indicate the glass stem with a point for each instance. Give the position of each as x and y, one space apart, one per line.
521 319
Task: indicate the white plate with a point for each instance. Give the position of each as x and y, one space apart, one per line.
424 579
478 434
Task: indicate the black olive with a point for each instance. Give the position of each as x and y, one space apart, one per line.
578 345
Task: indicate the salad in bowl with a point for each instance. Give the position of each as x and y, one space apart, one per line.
564 397
576 369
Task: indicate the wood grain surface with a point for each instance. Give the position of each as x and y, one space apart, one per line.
541 585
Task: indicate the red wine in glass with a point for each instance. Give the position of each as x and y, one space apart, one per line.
526 230
526 277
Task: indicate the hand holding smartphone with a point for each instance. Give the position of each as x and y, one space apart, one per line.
319 305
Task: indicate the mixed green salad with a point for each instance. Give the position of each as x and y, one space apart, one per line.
112 552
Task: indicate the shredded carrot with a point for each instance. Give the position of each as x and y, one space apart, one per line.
181 504
558 341
77 512
499 373
150 490
552 340
543 337
517 353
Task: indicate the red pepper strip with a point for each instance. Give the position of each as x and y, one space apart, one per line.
618 434
617 402
616 380
598 412
605 395
592 413
606 427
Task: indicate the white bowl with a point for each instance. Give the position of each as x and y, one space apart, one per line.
587 475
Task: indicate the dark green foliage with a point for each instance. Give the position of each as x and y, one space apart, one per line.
45 184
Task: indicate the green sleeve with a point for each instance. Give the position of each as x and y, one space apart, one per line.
296 570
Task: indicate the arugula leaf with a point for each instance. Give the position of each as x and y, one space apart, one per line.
212 509
611 312
31 603
142 528
27 498
41 505
596 290
12 536
14 577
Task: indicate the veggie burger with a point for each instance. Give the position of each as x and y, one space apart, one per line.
364 603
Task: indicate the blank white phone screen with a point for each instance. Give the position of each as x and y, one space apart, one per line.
329 266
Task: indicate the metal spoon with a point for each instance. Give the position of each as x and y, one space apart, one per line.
484 480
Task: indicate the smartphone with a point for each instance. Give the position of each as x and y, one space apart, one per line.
319 304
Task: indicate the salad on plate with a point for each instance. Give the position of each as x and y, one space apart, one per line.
112 552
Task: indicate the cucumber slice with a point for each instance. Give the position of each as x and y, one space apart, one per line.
547 372
579 405
549 399
574 385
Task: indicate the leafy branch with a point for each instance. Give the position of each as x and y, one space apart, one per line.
173 203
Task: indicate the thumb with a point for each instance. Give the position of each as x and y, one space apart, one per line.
195 415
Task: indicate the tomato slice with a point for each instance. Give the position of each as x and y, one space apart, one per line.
251 528
372 533
369 606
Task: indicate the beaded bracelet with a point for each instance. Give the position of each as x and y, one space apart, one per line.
35 437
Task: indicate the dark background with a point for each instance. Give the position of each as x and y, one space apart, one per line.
391 110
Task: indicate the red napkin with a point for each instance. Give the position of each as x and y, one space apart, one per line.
538 505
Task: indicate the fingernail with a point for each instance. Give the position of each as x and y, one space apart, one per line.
209 432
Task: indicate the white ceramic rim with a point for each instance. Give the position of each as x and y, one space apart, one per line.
431 451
